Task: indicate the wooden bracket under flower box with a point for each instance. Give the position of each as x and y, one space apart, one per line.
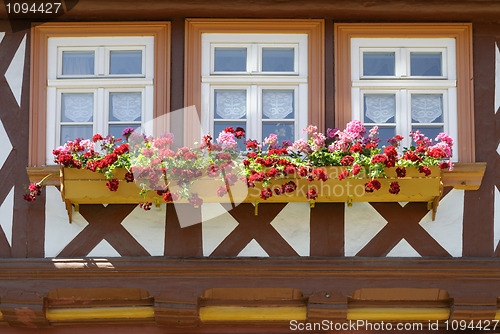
86 187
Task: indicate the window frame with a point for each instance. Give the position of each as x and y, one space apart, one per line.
461 32
254 80
40 34
193 62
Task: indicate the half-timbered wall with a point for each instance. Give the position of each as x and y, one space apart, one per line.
467 224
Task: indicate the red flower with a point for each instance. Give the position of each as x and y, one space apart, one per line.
35 189
146 206
229 130
444 165
213 170
112 185
230 179
347 160
312 194
252 145
221 191
401 171
289 169
96 138
356 169
266 193
379 158
170 197
370 145
320 174
195 200
356 148
289 187
278 191
425 170
273 172
412 156
123 148
239 133
343 175
29 198
394 188
303 171
435 152
372 185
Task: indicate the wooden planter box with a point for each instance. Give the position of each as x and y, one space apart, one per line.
86 187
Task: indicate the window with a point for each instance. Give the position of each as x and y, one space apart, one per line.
255 81
98 85
405 77
96 78
264 75
404 85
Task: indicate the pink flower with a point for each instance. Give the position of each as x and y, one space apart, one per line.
300 145
318 140
273 138
227 140
310 129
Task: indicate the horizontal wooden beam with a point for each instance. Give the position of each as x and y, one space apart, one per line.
91 313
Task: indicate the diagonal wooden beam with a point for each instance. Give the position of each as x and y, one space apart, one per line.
254 227
402 223
104 223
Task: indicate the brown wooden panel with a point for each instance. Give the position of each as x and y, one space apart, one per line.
183 241
479 205
327 229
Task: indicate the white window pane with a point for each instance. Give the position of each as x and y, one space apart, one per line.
378 63
284 130
77 107
230 104
125 107
71 132
426 64
430 132
379 108
125 62
78 62
277 104
221 125
230 60
385 132
277 59
117 129
427 108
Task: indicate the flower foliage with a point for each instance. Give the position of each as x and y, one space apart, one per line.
156 166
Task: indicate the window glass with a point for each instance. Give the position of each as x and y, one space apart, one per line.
426 64
430 132
378 63
230 60
284 130
78 62
125 62
71 132
277 59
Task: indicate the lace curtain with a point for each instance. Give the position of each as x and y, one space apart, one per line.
230 104
77 108
427 108
125 107
380 108
277 104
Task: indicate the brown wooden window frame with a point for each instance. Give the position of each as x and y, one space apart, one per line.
461 32
314 28
41 32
